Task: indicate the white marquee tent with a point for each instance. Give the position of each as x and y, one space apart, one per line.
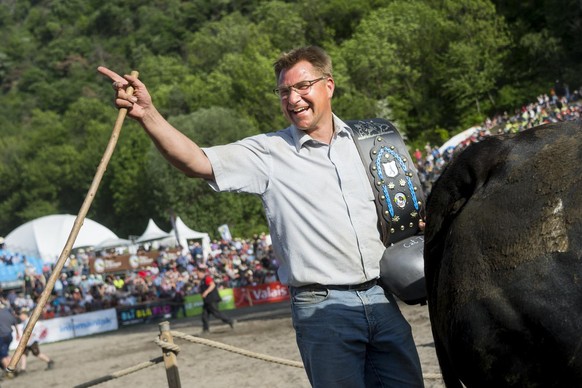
152 232
45 237
114 243
184 233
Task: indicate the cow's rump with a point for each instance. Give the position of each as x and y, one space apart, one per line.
503 261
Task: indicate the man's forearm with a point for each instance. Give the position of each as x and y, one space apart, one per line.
177 148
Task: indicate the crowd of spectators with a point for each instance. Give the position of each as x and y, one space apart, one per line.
170 277
552 108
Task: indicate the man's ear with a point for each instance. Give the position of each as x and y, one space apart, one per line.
330 85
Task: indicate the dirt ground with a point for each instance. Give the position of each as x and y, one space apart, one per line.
264 330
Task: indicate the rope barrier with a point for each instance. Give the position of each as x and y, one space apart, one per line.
167 346
171 347
121 373
233 349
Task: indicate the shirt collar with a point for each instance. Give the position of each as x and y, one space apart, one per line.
300 137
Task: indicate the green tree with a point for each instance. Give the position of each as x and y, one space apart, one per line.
282 23
547 45
39 172
205 48
250 87
333 21
160 27
473 64
427 62
127 185
174 89
392 57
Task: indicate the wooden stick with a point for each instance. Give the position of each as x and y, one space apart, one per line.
72 237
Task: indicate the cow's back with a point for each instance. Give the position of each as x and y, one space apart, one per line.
503 261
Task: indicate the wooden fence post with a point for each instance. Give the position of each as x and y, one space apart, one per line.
170 359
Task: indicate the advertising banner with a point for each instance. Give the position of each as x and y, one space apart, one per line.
73 326
146 312
264 293
193 303
126 262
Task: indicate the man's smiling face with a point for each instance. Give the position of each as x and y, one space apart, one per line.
306 111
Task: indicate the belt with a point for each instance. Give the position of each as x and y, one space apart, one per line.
341 287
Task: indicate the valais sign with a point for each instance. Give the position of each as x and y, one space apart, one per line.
264 293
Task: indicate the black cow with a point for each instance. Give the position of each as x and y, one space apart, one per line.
503 261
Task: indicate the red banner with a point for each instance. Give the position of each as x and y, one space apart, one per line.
261 294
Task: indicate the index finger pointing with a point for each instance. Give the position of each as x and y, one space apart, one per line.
111 74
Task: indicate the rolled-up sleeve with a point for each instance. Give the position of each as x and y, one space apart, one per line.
243 166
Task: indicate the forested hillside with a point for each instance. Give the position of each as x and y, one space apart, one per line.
432 67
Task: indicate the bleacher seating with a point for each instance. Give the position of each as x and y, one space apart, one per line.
15 271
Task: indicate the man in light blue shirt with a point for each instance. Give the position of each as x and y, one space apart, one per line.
322 218
301 207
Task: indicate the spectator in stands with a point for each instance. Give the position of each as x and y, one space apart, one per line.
118 282
97 294
11 298
22 301
178 301
61 285
48 312
78 302
196 249
85 284
271 277
543 111
109 293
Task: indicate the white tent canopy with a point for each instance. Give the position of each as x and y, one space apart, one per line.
152 232
113 243
458 138
45 237
184 233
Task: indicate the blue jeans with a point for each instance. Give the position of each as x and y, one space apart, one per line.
354 339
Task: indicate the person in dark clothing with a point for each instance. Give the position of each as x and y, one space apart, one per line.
7 322
211 298
32 347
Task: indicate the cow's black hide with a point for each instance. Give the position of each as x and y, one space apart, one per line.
503 261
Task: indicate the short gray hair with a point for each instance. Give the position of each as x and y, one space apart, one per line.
312 54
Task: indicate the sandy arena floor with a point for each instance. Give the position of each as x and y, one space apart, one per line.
262 329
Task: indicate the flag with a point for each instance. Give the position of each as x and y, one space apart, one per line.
224 232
